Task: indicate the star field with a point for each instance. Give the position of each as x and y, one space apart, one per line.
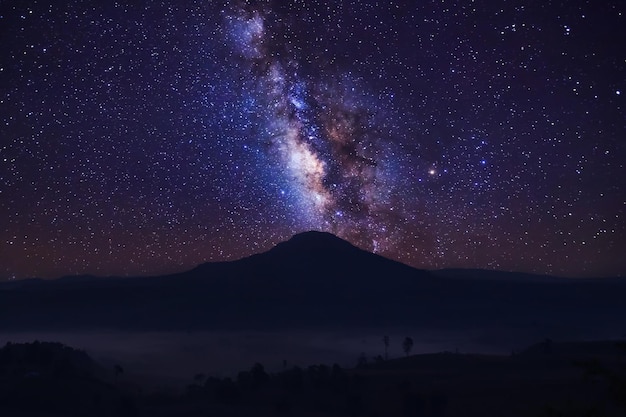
148 137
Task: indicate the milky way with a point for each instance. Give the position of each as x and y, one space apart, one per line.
148 138
324 138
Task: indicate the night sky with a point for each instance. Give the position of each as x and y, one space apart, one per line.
146 137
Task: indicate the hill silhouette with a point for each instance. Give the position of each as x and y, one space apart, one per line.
572 379
316 279
46 378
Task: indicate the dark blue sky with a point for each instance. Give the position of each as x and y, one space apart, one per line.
147 137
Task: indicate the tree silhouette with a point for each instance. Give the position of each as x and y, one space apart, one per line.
361 361
407 345
614 376
118 371
259 376
547 346
386 342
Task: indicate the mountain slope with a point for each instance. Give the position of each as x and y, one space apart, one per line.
316 279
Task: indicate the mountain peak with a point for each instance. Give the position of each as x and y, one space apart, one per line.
316 236
314 241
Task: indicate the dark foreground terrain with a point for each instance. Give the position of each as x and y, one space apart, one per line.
313 299
316 280
548 379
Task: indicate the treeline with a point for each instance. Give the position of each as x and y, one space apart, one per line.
46 378
50 379
321 389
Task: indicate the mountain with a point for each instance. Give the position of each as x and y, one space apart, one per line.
315 243
316 279
316 262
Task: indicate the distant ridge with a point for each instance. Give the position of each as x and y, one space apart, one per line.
316 279
495 275
487 274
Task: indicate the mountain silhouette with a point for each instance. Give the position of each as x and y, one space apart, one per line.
317 279
317 262
314 242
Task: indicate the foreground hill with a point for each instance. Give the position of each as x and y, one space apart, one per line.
50 379
568 379
318 280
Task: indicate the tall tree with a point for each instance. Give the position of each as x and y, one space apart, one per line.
386 342
407 345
